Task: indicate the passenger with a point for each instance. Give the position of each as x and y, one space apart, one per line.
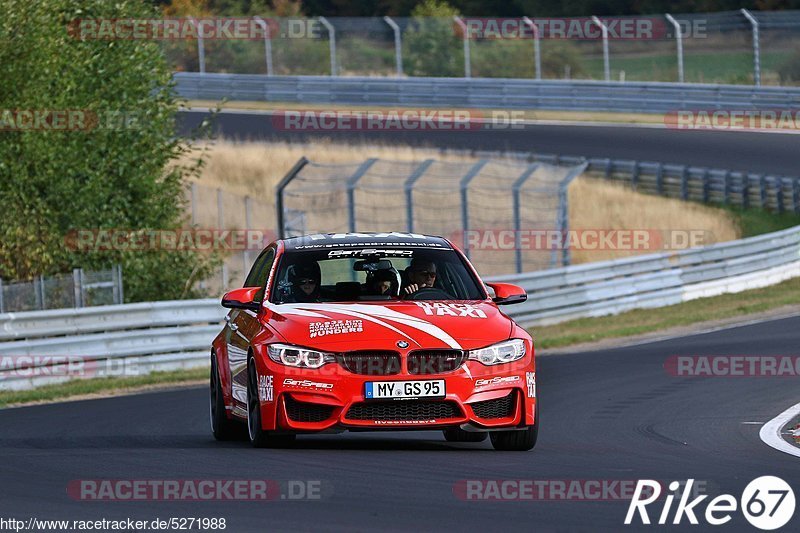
383 283
305 279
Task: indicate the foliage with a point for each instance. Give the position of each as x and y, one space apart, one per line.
110 173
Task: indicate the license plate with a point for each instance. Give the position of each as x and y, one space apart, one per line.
401 390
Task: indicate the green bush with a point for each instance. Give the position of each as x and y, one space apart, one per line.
431 44
789 70
53 182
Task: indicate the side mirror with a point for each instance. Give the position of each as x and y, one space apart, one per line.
242 299
506 293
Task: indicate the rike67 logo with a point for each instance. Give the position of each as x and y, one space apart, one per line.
767 503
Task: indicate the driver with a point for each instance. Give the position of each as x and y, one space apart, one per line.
421 274
305 280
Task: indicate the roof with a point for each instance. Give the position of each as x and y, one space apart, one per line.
356 240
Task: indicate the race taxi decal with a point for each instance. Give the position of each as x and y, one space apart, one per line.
307 384
451 309
496 381
530 380
334 327
265 388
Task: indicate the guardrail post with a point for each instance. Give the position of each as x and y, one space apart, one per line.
756 47
795 204
604 31
267 42
762 191
726 194
660 178
745 190
408 186
201 47
779 194
635 175
537 53
516 188
463 186
706 185
608 168
287 179
398 45
685 183
352 181
331 42
679 42
465 41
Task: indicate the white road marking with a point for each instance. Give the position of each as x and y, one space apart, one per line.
771 431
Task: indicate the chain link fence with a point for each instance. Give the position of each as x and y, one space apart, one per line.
457 200
733 47
79 289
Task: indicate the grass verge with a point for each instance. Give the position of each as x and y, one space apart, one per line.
84 387
754 221
693 312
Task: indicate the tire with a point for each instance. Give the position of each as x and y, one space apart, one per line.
517 441
459 435
222 427
258 437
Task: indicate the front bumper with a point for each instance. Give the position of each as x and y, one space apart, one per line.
478 398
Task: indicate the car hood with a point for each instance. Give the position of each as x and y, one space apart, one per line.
360 326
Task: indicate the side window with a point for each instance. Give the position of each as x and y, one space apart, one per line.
260 272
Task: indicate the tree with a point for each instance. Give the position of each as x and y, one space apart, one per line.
432 41
110 170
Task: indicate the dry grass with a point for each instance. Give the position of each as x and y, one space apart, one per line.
595 204
253 169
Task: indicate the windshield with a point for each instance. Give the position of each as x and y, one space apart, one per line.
348 275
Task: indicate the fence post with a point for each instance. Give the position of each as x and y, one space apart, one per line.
38 292
635 175
2 303
779 194
409 190
679 42
201 47
604 31
467 58
762 191
463 185
331 41
727 188
351 191
537 53
267 42
756 47
745 190
121 288
398 45
76 288
220 226
516 188
287 179
706 185
563 216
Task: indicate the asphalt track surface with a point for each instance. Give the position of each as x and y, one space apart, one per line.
606 415
769 153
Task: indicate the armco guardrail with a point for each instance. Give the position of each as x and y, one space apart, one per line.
169 335
489 93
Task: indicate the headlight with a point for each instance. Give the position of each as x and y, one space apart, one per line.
298 357
502 352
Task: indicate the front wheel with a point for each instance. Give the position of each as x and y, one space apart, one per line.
258 437
520 440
